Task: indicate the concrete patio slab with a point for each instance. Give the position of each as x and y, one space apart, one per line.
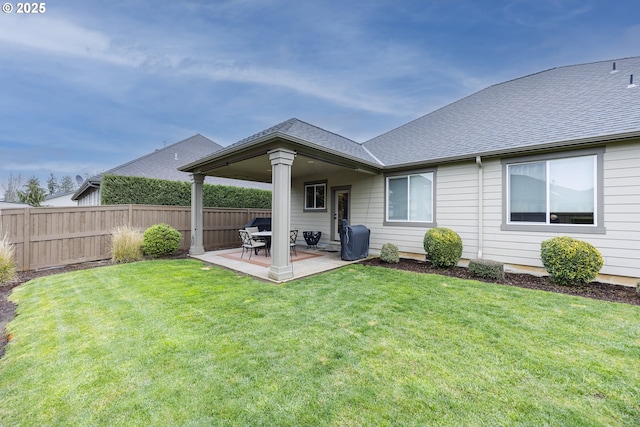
307 262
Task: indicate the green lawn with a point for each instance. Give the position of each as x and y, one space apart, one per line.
172 343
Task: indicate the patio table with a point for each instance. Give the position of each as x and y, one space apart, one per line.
266 235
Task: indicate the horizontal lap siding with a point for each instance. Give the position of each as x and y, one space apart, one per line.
457 203
620 246
456 208
360 199
48 237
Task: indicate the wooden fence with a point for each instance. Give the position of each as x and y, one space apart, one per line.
50 237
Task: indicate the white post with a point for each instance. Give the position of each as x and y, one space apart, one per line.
281 161
197 247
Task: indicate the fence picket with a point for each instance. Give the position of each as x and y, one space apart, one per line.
50 237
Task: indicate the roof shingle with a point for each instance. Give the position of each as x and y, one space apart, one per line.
551 107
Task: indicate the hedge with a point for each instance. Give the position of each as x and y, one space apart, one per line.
124 190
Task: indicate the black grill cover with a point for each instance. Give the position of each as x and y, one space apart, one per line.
263 224
354 241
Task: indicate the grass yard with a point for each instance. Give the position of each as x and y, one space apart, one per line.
171 343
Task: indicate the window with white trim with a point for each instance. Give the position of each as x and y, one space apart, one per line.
315 196
410 198
553 191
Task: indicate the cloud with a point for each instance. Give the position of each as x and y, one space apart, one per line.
357 83
60 37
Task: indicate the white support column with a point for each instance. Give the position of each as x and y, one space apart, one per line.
197 247
281 161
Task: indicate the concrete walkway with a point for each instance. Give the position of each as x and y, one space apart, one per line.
306 263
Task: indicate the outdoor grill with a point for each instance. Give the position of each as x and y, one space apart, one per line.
354 240
263 224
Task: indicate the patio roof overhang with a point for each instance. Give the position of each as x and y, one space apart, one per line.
276 158
251 162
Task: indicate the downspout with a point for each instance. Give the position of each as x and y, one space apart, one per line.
480 207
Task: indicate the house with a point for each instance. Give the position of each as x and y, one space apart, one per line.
161 164
60 199
548 154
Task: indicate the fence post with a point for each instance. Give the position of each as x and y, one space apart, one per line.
26 240
130 224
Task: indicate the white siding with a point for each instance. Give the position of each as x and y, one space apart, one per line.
457 208
91 197
620 245
362 192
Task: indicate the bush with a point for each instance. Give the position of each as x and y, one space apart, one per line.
126 244
122 190
570 261
443 247
487 269
389 253
160 240
7 260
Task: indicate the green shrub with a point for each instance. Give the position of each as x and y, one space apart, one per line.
389 253
570 261
123 190
487 269
443 247
126 244
160 240
7 260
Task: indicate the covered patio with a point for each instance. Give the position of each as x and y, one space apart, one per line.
306 262
292 150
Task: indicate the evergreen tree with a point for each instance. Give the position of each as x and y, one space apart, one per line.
33 194
52 184
66 184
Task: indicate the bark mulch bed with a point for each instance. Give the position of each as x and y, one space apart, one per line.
595 290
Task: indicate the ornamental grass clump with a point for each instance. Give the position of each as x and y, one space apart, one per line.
570 261
443 247
126 244
389 253
7 260
161 240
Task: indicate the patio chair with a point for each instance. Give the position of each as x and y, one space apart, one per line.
252 230
249 244
293 236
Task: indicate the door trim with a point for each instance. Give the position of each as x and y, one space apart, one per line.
334 208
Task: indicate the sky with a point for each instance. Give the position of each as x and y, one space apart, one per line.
87 85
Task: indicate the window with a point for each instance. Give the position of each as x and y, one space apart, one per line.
410 198
315 196
555 191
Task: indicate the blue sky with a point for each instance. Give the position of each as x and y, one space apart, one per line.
88 85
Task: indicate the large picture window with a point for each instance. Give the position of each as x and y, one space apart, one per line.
554 191
410 198
315 196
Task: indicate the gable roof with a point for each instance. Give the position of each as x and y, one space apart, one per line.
561 106
305 134
164 163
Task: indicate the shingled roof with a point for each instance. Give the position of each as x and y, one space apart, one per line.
557 107
309 135
163 164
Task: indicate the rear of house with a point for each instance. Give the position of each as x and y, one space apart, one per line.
553 153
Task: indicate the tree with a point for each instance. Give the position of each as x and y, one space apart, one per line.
11 188
33 194
52 184
66 184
